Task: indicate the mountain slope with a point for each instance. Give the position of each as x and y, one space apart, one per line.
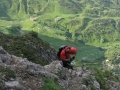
90 21
29 46
17 73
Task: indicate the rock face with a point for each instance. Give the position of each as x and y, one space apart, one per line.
18 73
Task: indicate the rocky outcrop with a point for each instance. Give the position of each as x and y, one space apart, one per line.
28 76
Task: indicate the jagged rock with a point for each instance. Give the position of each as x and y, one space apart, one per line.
15 85
2 51
1 60
113 85
84 87
54 66
79 71
28 75
97 85
5 58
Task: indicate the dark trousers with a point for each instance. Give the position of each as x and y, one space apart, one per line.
67 64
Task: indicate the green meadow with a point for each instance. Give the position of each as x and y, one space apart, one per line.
89 55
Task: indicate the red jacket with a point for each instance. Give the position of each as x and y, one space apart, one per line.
64 55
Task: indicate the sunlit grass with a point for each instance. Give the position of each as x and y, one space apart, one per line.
5 23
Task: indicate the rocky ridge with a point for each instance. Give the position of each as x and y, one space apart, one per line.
18 73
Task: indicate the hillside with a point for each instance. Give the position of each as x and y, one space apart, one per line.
93 22
18 73
32 42
85 22
29 46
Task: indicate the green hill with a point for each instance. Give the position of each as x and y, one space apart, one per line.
90 21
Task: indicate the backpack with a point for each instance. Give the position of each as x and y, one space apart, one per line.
59 51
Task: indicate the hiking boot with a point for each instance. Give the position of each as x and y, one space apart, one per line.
70 66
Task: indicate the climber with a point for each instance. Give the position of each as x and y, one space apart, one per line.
67 55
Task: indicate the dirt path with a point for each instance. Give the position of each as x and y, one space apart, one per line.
34 18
